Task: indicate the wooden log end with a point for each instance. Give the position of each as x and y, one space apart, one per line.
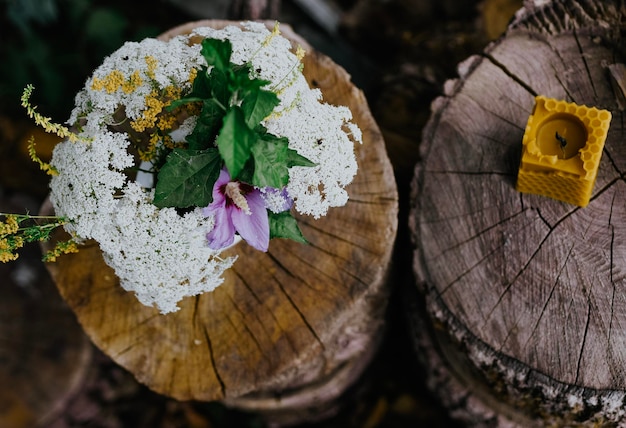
523 305
289 329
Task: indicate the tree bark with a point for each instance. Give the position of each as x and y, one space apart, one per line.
290 329
526 293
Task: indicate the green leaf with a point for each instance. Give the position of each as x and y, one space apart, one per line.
200 91
296 159
241 81
208 124
272 160
247 172
217 53
284 225
270 163
187 178
201 87
206 86
257 105
182 101
235 141
218 82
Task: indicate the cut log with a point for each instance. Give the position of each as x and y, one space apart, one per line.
526 295
290 329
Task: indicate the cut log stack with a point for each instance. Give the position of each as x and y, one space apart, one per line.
525 295
290 329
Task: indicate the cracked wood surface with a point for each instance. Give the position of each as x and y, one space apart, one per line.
532 287
282 320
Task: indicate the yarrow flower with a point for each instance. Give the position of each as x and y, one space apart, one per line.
237 207
181 145
277 200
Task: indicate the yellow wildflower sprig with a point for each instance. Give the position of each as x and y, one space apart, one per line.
19 229
266 42
44 166
61 247
155 114
45 122
48 126
300 53
278 113
275 32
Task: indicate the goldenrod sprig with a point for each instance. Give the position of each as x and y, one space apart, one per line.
46 122
61 247
300 53
44 166
265 43
19 229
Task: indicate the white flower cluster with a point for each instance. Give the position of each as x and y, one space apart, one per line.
156 253
156 64
159 254
176 258
320 132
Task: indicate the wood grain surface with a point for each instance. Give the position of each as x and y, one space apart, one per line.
284 320
532 288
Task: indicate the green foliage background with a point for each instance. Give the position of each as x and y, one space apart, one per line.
56 44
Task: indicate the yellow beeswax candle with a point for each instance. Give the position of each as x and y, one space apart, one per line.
561 150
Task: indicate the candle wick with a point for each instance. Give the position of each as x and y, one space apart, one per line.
562 141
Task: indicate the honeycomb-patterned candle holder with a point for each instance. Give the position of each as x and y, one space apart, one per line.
561 150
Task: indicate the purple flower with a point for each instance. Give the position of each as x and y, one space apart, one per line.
237 207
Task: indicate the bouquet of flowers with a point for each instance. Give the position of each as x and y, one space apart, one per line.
178 148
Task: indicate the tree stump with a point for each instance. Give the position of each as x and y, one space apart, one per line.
290 329
526 295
